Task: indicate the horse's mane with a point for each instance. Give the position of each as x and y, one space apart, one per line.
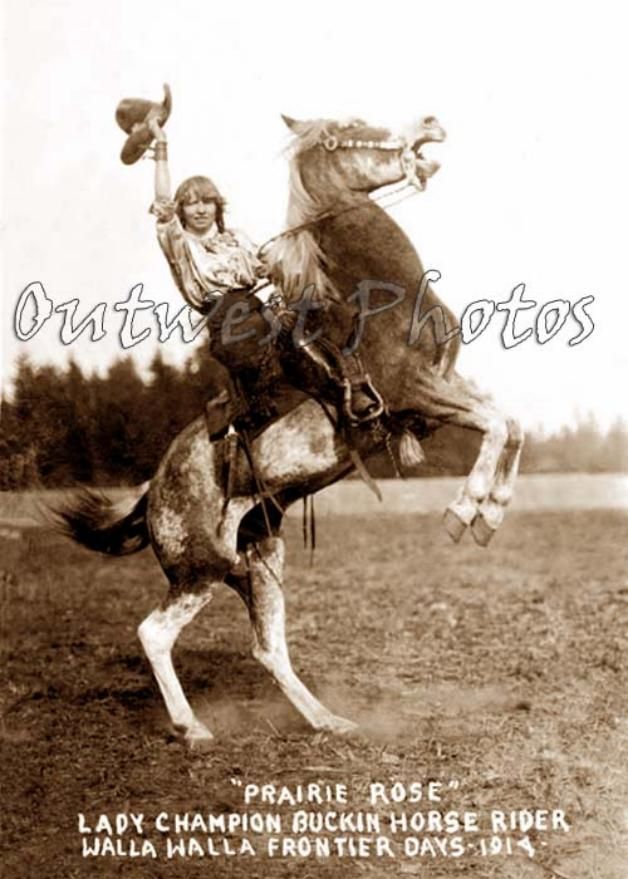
295 260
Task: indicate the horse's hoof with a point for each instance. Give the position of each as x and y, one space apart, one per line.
340 726
454 525
199 744
481 530
333 723
198 738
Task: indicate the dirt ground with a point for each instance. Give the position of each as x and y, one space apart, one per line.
504 670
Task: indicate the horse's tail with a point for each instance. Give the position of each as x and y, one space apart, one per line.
95 521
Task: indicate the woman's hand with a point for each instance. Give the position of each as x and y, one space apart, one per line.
156 130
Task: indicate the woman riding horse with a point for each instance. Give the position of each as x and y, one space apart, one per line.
198 540
218 272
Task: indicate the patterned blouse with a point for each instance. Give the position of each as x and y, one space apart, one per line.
204 266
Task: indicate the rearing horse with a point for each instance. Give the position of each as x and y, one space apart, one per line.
345 244
198 534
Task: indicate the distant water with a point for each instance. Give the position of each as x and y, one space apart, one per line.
553 491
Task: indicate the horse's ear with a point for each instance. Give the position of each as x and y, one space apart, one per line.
295 125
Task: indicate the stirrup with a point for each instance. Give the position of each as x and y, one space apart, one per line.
375 411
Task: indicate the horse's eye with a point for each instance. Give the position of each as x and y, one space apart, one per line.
429 120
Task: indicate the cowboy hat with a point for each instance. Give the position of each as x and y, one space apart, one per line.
132 115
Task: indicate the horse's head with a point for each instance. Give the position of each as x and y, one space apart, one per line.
335 165
335 157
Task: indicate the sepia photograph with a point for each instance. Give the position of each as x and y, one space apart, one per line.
313 440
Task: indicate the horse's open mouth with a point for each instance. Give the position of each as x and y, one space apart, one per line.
425 167
429 131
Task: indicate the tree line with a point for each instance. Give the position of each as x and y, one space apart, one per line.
61 427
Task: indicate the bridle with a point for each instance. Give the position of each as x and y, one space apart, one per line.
332 142
407 157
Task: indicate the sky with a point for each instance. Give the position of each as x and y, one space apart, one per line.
533 186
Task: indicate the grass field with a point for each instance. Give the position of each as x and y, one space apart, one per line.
534 492
505 669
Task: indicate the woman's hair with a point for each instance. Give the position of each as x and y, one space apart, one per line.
200 189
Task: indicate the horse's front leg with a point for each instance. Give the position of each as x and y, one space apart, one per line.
474 505
491 511
263 595
488 488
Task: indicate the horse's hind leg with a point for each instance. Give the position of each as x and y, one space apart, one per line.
158 633
263 595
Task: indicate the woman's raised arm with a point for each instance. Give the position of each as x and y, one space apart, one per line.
162 172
